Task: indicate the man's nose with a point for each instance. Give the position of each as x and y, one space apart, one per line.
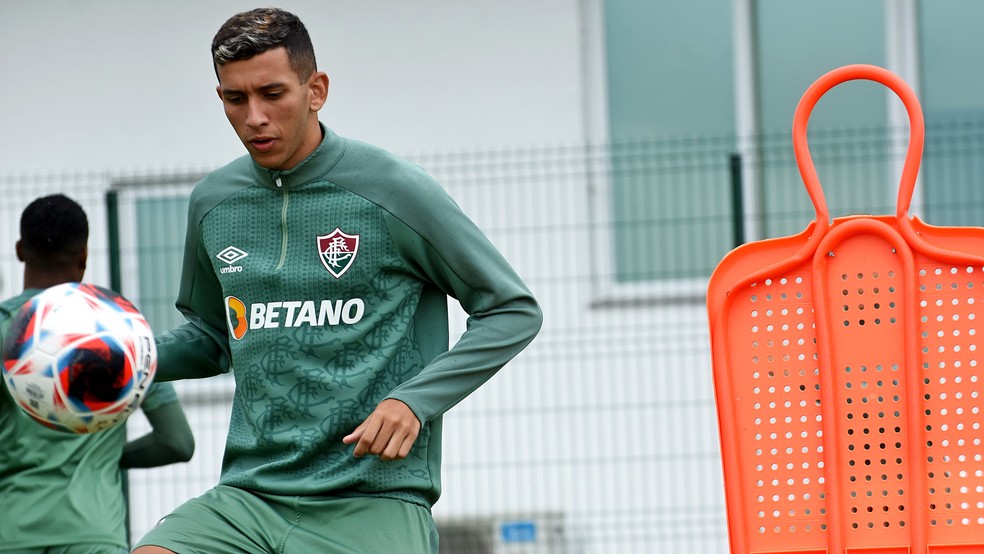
255 114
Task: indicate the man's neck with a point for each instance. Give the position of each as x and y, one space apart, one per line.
43 279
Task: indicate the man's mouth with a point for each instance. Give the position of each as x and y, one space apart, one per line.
262 144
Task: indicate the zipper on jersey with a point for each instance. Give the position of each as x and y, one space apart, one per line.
283 223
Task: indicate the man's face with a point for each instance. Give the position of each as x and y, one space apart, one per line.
274 115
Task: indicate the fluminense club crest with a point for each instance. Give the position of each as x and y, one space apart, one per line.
338 250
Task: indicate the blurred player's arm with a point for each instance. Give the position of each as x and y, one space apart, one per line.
170 439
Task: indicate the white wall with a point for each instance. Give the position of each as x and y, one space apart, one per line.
95 84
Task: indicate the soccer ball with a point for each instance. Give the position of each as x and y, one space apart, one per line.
78 358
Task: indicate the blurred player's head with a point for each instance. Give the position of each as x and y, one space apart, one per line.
54 235
269 85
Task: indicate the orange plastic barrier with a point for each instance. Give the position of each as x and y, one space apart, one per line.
848 374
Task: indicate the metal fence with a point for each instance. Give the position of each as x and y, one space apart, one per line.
601 436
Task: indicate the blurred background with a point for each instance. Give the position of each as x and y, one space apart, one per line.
614 150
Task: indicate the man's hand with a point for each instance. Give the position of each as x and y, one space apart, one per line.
388 432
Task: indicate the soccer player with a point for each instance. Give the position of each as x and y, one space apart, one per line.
318 269
62 493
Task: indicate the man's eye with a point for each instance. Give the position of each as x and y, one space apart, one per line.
273 95
234 99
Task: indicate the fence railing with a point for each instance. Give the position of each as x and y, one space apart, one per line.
602 436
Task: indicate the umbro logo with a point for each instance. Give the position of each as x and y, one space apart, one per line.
231 255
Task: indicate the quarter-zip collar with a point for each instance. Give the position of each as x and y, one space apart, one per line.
317 164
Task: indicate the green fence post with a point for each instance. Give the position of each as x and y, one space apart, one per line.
113 232
116 284
737 202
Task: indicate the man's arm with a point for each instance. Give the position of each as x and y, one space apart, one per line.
189 352
170 439
450 252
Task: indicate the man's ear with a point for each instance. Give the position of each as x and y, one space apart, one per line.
20 251
218 90
318 90
83 260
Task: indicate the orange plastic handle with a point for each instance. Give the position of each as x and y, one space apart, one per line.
801 148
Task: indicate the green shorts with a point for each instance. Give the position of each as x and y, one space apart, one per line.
231 520
73 549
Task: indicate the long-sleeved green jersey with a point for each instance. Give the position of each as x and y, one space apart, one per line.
324 288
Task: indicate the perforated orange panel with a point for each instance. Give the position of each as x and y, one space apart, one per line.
847 375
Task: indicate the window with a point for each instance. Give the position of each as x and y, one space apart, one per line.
670 121
152 216
796 43
688 84
952 99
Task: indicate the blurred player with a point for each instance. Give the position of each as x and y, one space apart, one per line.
62 493
318 269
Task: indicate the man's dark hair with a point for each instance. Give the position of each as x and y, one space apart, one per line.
53 230
254 32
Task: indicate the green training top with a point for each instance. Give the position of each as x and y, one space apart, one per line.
59 488
325 289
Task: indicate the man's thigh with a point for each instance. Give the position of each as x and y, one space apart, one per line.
73 549
224 519
363 525
230 520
